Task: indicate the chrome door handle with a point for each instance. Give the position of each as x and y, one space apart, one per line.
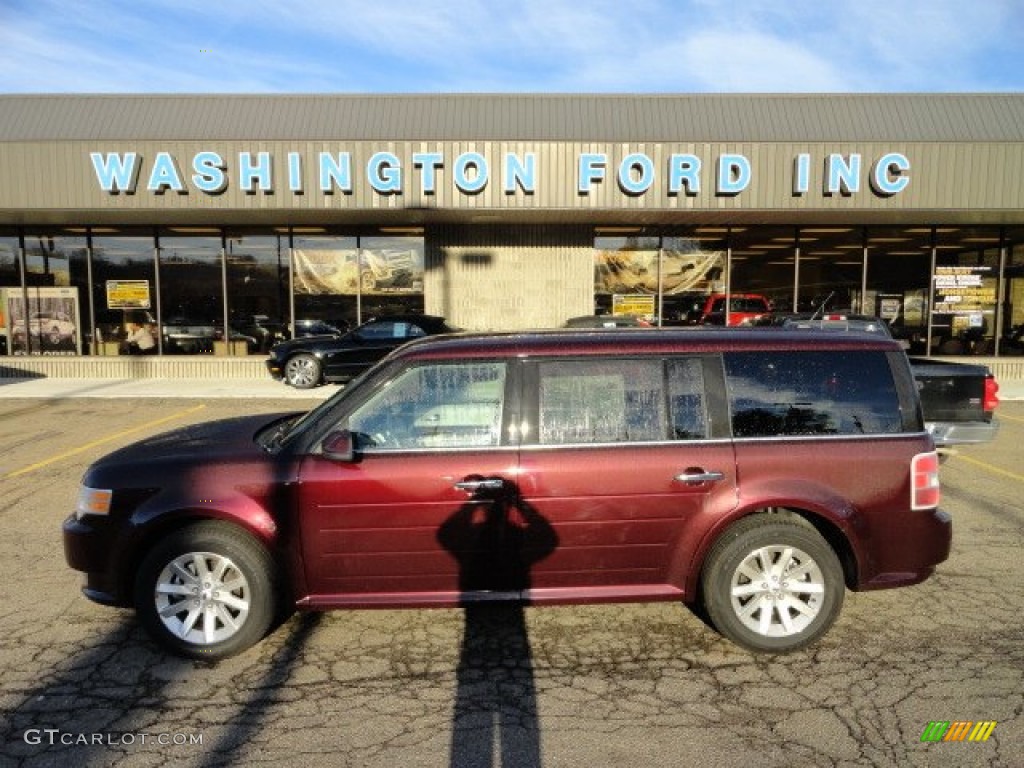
696 477
487 484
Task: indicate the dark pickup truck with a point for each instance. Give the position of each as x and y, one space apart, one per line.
958 399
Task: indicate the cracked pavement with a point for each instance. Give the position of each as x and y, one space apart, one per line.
639 685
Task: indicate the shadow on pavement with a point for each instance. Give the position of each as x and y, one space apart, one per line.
113 700
495 718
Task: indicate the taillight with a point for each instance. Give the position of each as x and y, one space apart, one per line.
924 481
991 394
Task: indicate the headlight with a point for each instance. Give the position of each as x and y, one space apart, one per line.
93 501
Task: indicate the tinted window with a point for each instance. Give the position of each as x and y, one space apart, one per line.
387 329
601 401
434 406
811 393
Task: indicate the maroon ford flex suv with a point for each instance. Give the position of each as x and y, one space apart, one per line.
757 475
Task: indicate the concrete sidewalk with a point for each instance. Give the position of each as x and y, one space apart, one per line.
59 388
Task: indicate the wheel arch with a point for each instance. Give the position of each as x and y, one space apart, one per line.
825 522
318 355
148 535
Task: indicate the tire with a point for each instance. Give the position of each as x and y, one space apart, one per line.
209 618
303 371
780 613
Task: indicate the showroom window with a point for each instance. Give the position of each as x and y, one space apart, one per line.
346 280
256 270
191 294
51 316
1011 340
123 288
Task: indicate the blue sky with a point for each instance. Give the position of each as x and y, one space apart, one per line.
493 46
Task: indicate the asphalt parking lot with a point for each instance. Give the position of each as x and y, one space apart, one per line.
630 685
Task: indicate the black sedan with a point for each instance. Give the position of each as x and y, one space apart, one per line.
310 361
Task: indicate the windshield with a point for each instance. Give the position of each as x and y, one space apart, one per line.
286 432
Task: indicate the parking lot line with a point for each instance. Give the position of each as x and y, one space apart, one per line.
102 440
990 467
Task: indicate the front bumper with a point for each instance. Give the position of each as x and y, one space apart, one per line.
88 547
275 368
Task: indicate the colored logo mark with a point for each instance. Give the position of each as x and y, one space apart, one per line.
958 730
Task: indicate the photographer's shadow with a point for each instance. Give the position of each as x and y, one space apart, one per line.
495 537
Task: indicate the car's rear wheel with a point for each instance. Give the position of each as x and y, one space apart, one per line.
772 585
207 591
303 371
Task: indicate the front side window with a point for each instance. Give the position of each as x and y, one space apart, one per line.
601 401
811 393
434 406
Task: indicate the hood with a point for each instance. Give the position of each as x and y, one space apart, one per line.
204 443
306 341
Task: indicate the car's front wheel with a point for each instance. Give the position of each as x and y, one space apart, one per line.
772 584
207 591
302 371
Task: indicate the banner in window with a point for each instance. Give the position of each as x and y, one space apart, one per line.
627 271
350 272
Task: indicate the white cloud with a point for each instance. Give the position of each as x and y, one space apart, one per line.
515 45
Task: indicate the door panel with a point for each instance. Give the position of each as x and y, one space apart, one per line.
418 514
624 457
395 528
619 513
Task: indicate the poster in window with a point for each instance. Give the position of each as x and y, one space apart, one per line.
47 326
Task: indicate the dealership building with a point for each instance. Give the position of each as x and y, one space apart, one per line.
206 218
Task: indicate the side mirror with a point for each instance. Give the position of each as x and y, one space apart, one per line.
339 446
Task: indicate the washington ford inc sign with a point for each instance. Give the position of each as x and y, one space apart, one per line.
385 173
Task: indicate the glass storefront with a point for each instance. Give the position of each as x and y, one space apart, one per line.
936 286
1011 337
948 290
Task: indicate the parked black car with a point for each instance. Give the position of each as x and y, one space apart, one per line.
263 331
310 361
314 327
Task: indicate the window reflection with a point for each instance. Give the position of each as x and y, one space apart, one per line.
811 393
123 288
191 295
257 277
1011 341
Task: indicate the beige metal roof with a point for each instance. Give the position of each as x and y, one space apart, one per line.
968 117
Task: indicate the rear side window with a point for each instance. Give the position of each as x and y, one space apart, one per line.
687 403
811 393
601 401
